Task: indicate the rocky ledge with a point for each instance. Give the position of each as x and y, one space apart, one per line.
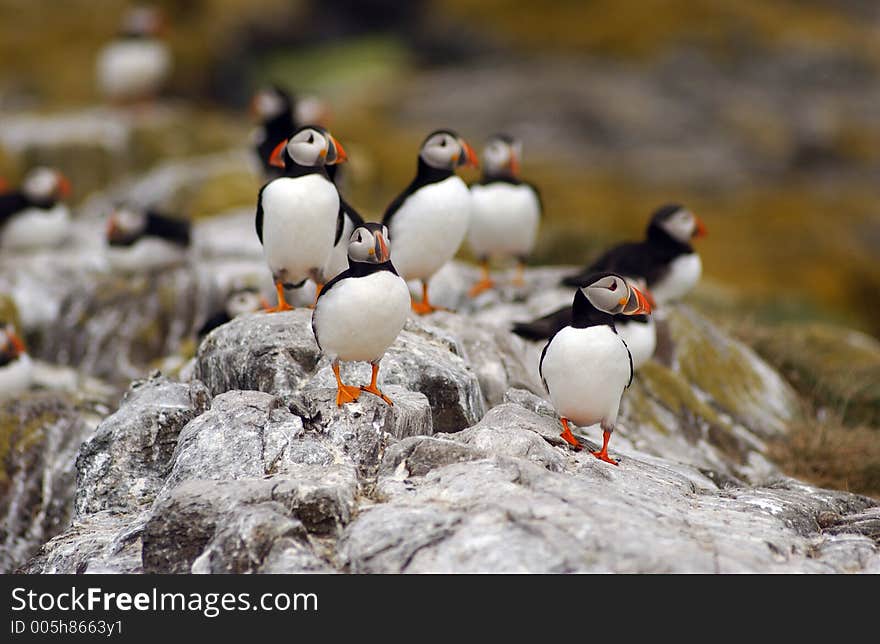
249 466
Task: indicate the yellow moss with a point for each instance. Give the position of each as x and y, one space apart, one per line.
220 193
9 312
22 424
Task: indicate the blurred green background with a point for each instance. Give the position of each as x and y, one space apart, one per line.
764 117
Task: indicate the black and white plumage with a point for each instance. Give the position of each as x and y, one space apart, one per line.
145 239
505 210
35 215
137 63
586 365
298 214
665 259
239 302
429 219
16 367
361 311
348 220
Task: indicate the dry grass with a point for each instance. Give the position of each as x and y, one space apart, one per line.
829 454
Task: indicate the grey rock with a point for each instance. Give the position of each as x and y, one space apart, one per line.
40 435
122 466
509 511
274 353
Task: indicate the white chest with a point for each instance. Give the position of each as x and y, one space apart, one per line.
37 227
359 318
16 376
429 227
133 68
683 274
299 224
586 371
504 219
640 338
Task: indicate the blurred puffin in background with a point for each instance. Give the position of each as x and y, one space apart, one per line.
34 215
505 210
586 365
664 266
298 214
239 301
428 221
16 367
142 239
137 63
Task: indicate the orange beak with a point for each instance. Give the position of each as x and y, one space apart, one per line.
110 231
64 187
699 229
17 343
514 164
382 252
638 303
341 156
469 158
276 158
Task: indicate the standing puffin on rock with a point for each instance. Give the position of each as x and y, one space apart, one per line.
428 221
16 368
144 240
298 214
34 215
504 210
586 365
135 65
361 311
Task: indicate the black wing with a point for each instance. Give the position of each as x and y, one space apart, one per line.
627 259
544 327
173 229
395 205
11 203
541 363
259 220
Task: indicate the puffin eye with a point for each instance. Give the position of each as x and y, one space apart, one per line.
613 286
442 143
311 138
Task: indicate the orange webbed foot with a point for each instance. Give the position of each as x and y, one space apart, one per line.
568 437
375 391
347 394
603 456
282 306
423 308
482 286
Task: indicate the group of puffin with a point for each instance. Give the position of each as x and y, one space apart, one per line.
305 225
362 269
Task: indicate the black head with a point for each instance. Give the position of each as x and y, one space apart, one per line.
125 225
271 102
501 157
676 222
368 244
311 146
613 294
445 150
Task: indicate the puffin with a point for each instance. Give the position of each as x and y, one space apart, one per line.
35 215
16 367
279 114
665 259
428 221
361 311
664 266
586 365
145 239
505 210
298 213
239 302
136 64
